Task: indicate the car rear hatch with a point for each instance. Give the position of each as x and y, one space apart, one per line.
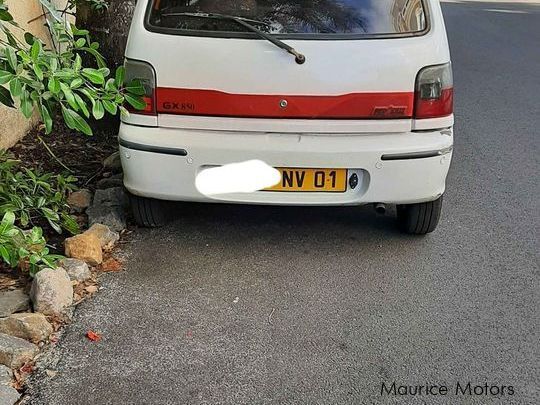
362 62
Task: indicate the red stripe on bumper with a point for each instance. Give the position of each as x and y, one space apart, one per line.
348 106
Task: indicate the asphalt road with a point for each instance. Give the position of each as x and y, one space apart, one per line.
250 305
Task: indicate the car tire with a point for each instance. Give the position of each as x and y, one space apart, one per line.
421 218
149 212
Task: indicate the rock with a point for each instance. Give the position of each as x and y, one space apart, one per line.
13 301
51 373
15 352
111 197
114 217
113 162
80 200
76 269
5 375
109 208
52 292
115 181
28 326
8 395
106 237
91 289
85 247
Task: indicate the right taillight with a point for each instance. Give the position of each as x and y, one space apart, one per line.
434 93
144 72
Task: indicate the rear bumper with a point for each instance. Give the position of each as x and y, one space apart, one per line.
391 168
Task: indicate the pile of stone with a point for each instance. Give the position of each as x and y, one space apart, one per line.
109 204
23 331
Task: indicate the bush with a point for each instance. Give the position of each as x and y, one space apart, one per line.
26 250
55 80
33 197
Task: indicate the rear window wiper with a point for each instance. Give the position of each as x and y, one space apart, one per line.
299 58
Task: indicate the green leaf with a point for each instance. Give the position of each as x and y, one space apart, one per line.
29 38
11 57
5 16
15 87
95 76
136 88
24 218
82 105
70 97
97 111
38 71
4 254
7 220
5 77
5 97
124 113
136 102
26 105
80 42
76 83
69 223
78 63
54 85
120 76
75 121
54 65
111 86
36 50
47 120
112 108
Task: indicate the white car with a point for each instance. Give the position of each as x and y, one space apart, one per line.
349 102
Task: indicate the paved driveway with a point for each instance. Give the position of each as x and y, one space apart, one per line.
249 305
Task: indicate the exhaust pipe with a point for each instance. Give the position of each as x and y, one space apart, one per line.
380 208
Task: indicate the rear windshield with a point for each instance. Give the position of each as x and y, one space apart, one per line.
289 17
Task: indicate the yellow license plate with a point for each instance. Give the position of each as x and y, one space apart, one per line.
311 180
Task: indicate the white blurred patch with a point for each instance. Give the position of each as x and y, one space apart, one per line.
244 177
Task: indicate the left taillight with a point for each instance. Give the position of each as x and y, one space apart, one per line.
144 72
434 93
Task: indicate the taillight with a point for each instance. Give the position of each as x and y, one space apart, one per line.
434 94
145 73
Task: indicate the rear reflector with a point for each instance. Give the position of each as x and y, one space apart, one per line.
145 73
434 95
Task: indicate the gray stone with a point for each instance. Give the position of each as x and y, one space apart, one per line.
52 292
76 269
111 197
13 301
113 162
109 208
8 395
5 375
115 181
29 326
113 217
15 352
80 200
107 238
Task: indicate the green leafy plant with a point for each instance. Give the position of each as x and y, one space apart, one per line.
51 80
24 249
33 197
94 4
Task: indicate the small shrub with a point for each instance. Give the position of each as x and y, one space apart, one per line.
53 81
33 197
26 250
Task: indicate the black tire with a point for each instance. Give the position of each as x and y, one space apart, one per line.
149 212
421 218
